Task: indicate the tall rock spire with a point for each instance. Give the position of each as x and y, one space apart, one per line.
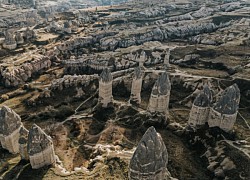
23 143
105 87
136 86
200 108
159 99
150 158
224 112
10 124
40 148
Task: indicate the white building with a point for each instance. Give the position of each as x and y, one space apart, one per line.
105 87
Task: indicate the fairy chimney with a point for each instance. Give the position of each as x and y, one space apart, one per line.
150 158
224 112
40 148
160 95
10 124
105 87
136 86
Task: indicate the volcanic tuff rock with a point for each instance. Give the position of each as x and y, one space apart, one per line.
37 140
224 112
138 73
106 76
229 101
204 98
40 148
150 158
23 143
17 75
162 85
9 121
69 80
105 87
200 108
136 86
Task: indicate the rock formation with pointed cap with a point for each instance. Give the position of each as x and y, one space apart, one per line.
23 143
160 95
224 112
40 148
150 158
10 124
105 87
136 86
200 108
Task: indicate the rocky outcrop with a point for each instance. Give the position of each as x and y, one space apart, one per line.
105 87
110 40
67 27
10 124
156 33
203 12
230 6
23 140
23 3
29 34
201 107
224 112
160 95
17 75
150 158
69 81
85 41
136 86
40 148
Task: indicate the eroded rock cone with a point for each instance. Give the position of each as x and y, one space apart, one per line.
224 112
200 108
23 143
150 158
10 123
40 148
229 101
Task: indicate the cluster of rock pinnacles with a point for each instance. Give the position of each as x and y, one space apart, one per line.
150 158
222 113
33 145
